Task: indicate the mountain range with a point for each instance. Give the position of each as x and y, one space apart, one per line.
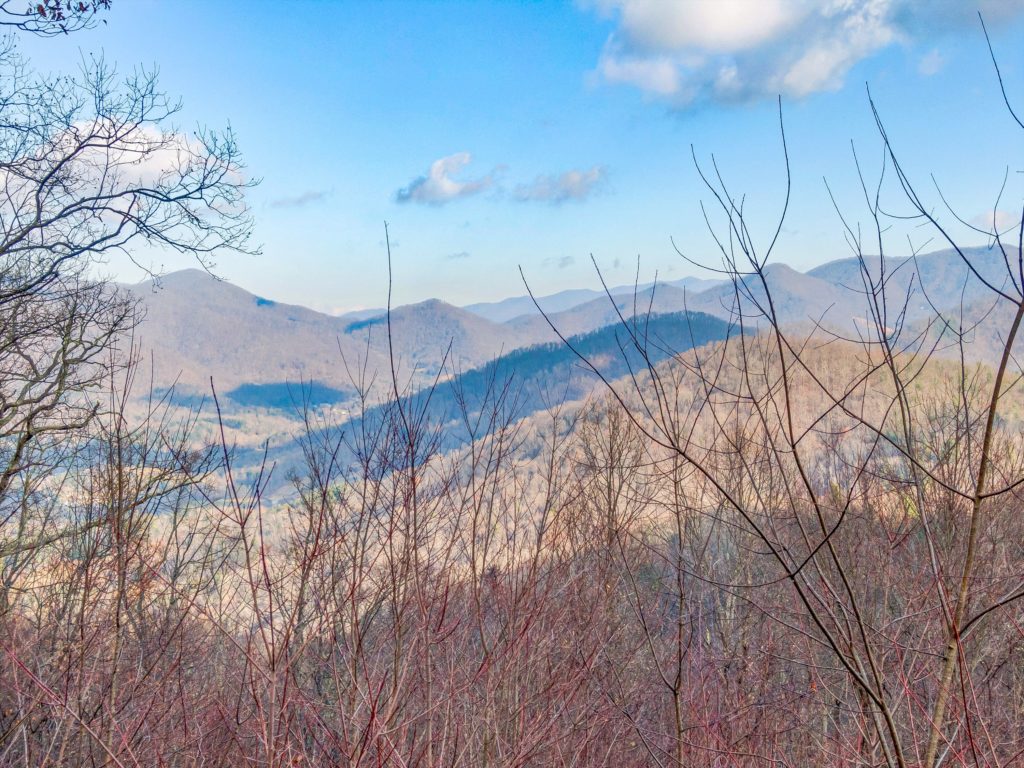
269 360
198 327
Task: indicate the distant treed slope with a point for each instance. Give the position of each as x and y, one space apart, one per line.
518 385
198 327
422 333
520 306
941 278
601 312
541 376
797 298
201 327
556 369
831 294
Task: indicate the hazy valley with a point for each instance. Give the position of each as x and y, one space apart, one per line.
270 363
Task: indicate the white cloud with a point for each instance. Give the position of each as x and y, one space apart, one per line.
741 50
855 32
438 186
562 262
571 185
300 200
716 25
109 160
658 75
1002 221
931 63
117 158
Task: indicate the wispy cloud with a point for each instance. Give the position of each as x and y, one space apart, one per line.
737 50
438 186
300 200
1001 221
931 63
572 185
457 255
561 262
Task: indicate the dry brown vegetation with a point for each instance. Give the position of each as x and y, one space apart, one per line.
611 602
788 548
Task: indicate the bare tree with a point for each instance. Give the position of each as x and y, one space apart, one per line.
870 481
52 17
89 166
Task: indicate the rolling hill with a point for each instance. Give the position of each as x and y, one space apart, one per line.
197 327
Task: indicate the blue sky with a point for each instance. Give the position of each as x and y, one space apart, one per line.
496 134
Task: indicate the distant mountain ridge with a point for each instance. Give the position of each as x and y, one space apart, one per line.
519 306
198 327
524 382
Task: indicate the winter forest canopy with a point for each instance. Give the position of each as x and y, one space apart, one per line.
767 510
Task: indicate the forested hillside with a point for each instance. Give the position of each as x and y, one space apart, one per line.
765 517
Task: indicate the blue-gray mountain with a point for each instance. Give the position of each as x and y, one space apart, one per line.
197 327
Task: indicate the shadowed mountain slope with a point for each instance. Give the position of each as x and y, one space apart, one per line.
522 383
197 327
524 307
